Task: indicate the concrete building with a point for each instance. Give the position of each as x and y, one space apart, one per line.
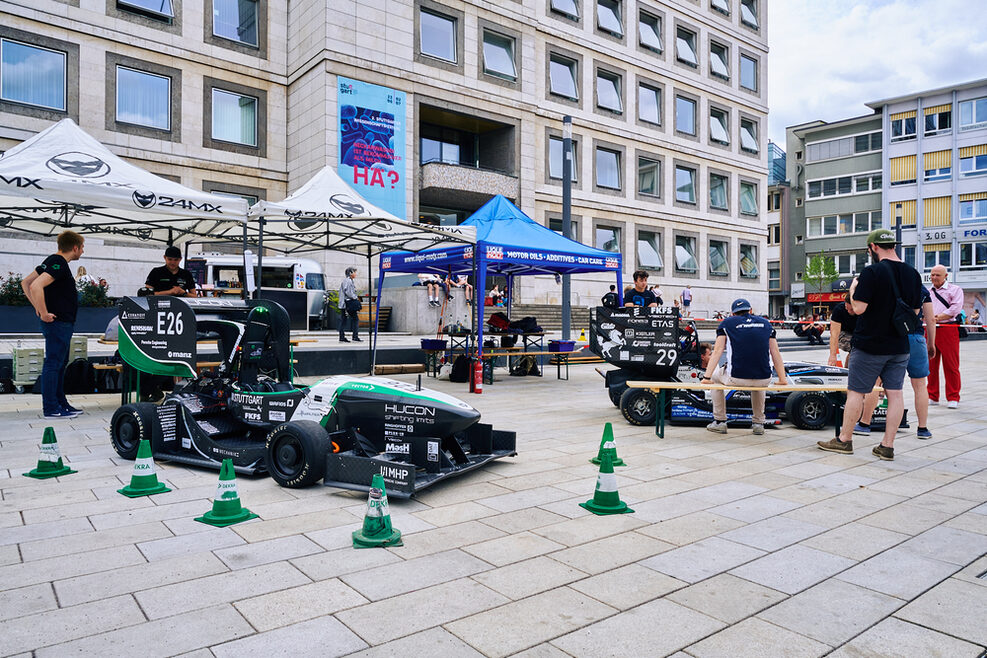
935 165
668 101
836 185
778 249
776 164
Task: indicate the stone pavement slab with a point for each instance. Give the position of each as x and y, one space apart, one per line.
702 559
440 643
62 625
627 586
727 597
756 638
899 572
522 579
418 573
954 607
894 638
792 569
287 606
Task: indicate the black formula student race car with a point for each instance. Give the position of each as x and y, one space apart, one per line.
342 430
653 344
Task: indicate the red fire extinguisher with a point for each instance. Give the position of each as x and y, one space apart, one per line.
478 376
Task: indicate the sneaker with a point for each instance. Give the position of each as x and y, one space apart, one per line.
861 430
344 339
73 409
923 433
952 404
757 428
933 403
718 426
357 339
61 413
835 445
884 452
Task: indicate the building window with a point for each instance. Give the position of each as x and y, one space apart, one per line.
32 75
498 56
748 261
608 91
973 114
438 148
973 256
608 17
748 13
685 115
607 169
566 7
774 276
649 251
867 143
719 60
903 128
748 198
774 234
153 8
937 254
685 184
908 255
831 186
555 145
719 128
555 224
608 238
648 175
748 136
867 183
649 103
718 197
718 264
685 47
438 36
722 6
861 222
973 211
649 32
748 72
562 77
235 20
942 173
938 122
685 254
973 165
143 99
234 118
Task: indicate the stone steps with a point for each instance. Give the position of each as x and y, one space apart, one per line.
549 316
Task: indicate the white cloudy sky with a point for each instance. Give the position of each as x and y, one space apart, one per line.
829 57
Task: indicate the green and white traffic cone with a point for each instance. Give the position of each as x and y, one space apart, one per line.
608 440
50 460
605 498
226 508
377 530
144 481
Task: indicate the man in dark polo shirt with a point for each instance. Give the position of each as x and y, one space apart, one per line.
170 279
51 290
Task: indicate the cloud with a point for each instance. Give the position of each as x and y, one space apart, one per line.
828 58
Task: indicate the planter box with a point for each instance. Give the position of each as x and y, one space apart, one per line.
23 320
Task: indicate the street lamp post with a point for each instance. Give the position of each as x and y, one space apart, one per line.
897 228
566 220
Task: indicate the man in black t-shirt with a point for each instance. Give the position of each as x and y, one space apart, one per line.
610 299
878 349
639 295
51 290
170 279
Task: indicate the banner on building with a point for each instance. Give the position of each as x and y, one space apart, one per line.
371 143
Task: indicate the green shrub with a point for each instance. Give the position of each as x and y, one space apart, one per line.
11 293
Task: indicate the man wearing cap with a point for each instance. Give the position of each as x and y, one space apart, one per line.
947 304
743 343
170 279
879 349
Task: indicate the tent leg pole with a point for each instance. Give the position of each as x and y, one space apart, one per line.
373 352
370 284
260 262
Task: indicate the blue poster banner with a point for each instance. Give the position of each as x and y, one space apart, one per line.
371 143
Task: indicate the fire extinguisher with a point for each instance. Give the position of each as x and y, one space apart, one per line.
478 376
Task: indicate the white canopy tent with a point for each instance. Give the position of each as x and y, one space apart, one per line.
63 178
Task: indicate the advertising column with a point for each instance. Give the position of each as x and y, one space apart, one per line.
371 143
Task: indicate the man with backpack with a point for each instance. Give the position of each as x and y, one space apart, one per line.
610 299
886 298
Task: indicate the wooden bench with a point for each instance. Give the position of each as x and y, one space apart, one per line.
661 387
398 368
366 316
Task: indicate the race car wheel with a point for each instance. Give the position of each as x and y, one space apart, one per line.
296 453
615 392
639 406
808 410
130 424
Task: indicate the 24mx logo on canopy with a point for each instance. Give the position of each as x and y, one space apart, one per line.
147 200
74 163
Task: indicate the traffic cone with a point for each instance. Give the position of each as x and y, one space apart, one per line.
605 498
144 481
50 460
226 508
582 336
605 441
377 530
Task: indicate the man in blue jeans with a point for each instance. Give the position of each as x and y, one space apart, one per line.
51 290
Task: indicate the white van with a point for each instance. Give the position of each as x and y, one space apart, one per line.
298 284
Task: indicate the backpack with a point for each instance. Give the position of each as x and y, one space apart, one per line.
526 325
460 370
80 377
610 300
499 321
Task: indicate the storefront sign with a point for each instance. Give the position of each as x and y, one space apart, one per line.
798 291
823 297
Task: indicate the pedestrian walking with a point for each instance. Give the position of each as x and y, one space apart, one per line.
51 290
880 344
947 302
349 307
686 299
744 343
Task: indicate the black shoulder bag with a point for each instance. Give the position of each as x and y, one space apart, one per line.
961 330
903 317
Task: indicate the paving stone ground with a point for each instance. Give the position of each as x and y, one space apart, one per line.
740 545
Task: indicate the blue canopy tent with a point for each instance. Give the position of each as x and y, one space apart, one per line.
508 243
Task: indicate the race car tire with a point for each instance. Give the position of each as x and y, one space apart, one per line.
639 406
808 410
296 453
130 424
615 392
